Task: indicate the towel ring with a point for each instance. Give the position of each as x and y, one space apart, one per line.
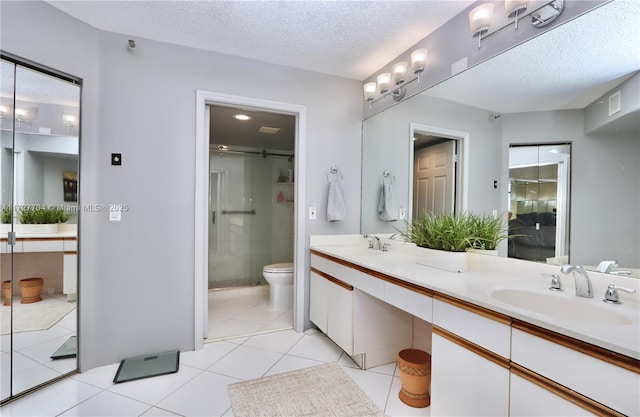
387 175
333 174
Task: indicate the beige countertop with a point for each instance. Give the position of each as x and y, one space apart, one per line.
615 327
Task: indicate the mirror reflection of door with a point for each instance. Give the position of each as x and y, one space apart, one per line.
39 132
539 202
434 175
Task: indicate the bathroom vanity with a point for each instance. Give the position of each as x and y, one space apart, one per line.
502 342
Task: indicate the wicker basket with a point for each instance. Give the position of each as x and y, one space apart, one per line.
30 289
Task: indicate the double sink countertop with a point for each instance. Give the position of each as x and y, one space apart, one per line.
516 288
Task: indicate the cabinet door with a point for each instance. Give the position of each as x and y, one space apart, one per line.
464 383
528 399
340 316
318 301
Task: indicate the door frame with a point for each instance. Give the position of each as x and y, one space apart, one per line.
462 163
201 259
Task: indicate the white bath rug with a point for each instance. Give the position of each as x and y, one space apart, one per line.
35 316
323 390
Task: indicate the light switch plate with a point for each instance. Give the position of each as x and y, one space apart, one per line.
312 213
401 214
115 216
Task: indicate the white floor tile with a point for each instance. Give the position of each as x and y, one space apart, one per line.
158 412
388 369
345 360
101 377
375 385
32 377
207 356
237 340
154 389
318 347
27 339
260 313
205 395
51 400
246 363
395 407
291 363
107 404
279 342
234 328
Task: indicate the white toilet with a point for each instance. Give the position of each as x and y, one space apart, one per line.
280 279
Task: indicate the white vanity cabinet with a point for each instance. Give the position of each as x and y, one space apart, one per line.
371 331
596 380
470 360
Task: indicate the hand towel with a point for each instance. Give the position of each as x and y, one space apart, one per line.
387 206
336 205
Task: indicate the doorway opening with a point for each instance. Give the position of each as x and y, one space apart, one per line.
251 221
203 216
438 171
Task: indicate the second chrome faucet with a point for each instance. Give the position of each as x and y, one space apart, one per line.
581 278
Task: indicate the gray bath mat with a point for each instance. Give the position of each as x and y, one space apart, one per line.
147 366
69 349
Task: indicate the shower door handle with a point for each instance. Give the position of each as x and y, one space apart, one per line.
213 217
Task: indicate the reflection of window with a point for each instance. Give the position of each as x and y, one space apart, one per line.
539 202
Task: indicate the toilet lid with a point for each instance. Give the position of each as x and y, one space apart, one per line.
286 267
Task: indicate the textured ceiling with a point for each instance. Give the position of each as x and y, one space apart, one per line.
351 39
568 67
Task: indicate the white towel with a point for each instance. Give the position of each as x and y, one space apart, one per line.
336 205
387 206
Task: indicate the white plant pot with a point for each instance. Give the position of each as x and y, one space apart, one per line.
32 229
448 261
492 252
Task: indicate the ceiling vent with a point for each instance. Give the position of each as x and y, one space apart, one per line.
269 130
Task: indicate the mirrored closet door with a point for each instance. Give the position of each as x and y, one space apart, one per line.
39 155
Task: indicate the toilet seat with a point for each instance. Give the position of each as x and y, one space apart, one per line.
279 268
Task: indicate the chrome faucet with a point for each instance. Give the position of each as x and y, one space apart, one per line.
374 242
581 278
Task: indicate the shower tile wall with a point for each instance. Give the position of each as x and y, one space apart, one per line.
241 244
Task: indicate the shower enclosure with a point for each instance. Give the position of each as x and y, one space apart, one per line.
250 215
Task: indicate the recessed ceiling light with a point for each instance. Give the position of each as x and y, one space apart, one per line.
270 130
242 117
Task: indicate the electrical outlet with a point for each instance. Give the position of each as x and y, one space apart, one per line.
495 213
401 213
312 213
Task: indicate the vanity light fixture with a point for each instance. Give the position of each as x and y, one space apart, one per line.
480 17
399 72
480 20
398 76
26 115
242 117
514 8
384 80
69 120
369 91
419 61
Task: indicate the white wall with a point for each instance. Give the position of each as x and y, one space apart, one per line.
137 276
386 147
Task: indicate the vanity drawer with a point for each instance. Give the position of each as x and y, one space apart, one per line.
604 382
486 329
419 305
350 275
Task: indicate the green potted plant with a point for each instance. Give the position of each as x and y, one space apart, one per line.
442 239
488 232
41 218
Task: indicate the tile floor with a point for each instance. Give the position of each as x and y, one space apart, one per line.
244 311
200 387
32 364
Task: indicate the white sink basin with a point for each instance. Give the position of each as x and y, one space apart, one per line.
561 307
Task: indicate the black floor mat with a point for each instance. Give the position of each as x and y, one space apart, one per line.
147 366
69 349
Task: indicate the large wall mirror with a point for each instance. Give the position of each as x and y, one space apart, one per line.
558 90
39 156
